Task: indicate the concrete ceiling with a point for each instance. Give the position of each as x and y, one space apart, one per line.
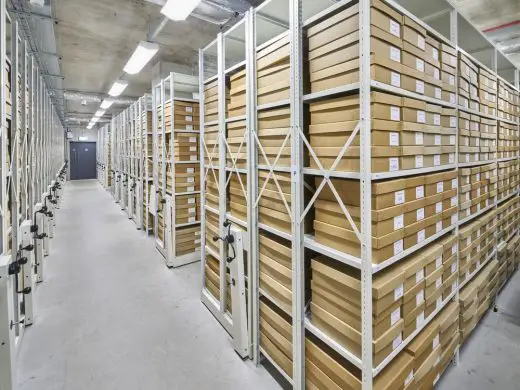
95 38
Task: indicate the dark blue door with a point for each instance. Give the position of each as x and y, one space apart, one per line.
82 160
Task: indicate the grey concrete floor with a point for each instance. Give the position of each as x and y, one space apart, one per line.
490 359
110 315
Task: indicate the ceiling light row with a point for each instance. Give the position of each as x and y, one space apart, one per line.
173 9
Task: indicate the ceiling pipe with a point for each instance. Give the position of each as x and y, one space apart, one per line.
502 26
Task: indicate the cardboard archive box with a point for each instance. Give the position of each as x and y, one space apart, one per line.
212 230
508 178
212 192
508 214
468 83
187 209
211 147
477 138
187 240
508 106
478 188
405 212
211 101
487 82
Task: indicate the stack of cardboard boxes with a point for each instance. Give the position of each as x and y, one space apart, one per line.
476 297
273 71
477 138
477 243
478 189
237 94
274 203
508 102
236 144
468 83
508 178
508 140
406 133
508 218
405 212
237 202
487 83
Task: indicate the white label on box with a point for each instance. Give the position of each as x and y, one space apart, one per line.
419 86
397 341
453 286
190 170
421 235
439 302
421 42
438 93
477 176
189 127
452 80
436 342
438 226
419 298
452 98
452 140
440 187
467 157
398 247
466 124
193 139
438 262
408 379
189 109
395 316
467 274
419 161
438 207
393 163
453 267
193 148
438 282
466 141
468 241
191 200
478 191
420 214
453 121
419 192
419 65
419 138
395 113
398 222
398 292
420 320
193 157
436 74
191 180
454 219
197 241
453 201
451 158
190 189
189 118
395 28
419 275
395 79
395 54
421 116
399 197
191 210
436 120
191 219
438 139
435 54
394 139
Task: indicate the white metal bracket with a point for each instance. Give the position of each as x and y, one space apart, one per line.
38 242
7 336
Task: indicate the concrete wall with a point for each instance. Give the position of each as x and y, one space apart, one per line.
83 132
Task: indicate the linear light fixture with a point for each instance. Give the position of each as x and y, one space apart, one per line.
141 56
118 87
99 113
90 126
106 103
179 9
95 119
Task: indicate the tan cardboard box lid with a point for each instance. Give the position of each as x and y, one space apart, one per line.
412 264
414 103
276 319
448 315
423 340
394 375
427 365
415 181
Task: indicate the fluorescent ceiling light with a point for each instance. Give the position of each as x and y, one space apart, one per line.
118 87
179 9
95 119
141 56
99 113
90 126
106 103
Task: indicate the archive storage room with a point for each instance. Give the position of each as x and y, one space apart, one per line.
260 194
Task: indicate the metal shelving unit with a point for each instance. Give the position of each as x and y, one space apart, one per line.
146 160
284 23
32 171
176 168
